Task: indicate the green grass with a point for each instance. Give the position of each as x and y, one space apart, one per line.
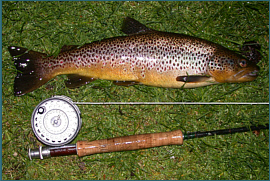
47 26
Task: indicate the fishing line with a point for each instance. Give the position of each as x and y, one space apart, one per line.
172 103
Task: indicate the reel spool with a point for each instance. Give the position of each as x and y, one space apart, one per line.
56 121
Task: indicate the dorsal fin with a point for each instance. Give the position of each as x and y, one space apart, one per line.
131 26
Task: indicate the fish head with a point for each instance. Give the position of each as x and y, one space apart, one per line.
227 66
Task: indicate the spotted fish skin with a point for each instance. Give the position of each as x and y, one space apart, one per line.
148 57
136 58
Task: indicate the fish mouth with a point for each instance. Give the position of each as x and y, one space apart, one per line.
243 76
253 73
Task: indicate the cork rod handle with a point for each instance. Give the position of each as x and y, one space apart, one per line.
133 142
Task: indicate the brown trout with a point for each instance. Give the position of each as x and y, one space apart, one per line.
145 56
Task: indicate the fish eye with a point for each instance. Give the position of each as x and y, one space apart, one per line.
243 63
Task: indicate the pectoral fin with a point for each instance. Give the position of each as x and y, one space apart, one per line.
251 50
125 83
193 78
75 81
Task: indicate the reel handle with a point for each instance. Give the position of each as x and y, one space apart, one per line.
126 143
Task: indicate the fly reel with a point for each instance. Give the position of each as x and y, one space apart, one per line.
56 121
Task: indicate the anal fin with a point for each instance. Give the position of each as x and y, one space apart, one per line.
125 83
193 78
75 81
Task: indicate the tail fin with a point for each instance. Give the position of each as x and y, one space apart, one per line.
29 71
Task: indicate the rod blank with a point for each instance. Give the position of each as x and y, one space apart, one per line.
224 131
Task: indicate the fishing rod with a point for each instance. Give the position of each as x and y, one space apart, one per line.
56 121
133 142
